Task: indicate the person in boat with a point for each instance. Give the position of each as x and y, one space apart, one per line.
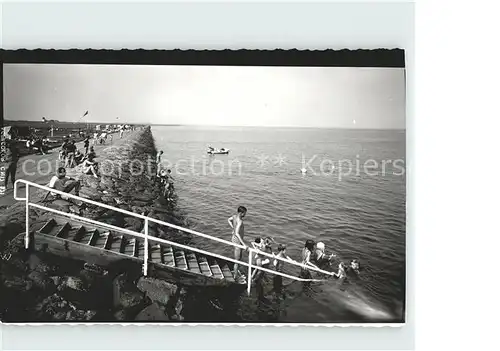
90 166
63 183
238 233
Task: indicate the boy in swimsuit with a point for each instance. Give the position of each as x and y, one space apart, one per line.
236 223
307 254
278 267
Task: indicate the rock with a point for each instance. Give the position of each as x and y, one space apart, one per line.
94 269
91 182
74 209
107 182
120 315
153 312
156 289
78 203
179 305
89 315
18 264
143 197
54 307
59 316
59 204
57 280
91 194
130 299
80 315
140 188
42 281
139 203
133 223
18 283
108 200
126 294
74 283
116 221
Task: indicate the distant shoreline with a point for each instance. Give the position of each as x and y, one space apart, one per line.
83 125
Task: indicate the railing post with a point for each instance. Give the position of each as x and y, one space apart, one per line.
146 246
27 238
249 277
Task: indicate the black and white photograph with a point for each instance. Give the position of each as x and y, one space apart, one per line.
205 192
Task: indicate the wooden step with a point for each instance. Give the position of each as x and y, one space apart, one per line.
115 243
48 226
155 254
100 240
129 246
226 272
140 248
204 267
87 235
75 233
217 272
180 259
63 231
192 262
168 255
56 229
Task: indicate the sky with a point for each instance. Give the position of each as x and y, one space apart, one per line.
324 97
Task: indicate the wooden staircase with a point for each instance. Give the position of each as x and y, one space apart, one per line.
81 240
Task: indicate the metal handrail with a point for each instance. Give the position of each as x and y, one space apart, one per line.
146 237
164 241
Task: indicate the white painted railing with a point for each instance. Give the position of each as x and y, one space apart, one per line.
147 237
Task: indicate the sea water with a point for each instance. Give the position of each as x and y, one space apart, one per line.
351 197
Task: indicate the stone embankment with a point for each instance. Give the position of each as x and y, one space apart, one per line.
41 287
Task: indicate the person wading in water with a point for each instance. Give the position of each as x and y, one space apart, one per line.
236 222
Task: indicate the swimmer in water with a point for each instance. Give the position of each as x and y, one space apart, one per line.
354 266
320 257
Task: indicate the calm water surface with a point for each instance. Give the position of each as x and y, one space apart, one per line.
358 215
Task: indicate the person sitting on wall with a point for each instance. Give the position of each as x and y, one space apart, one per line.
78 157
62 183
90 166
